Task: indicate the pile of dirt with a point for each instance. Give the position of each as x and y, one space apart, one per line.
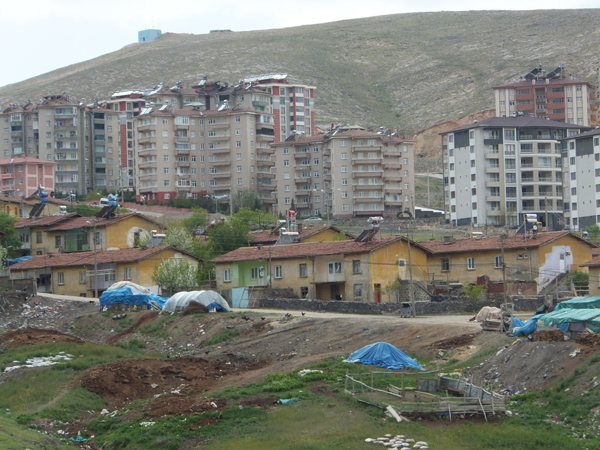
528 366
194 308
142 320
125 381
454 342
590 339
177 404
555 335
34 336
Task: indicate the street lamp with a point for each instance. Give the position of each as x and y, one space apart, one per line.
326 205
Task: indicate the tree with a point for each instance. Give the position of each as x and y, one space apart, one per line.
256 218
473 291
594 234
579 280
228 236
245 198
174 275
196 221
11 239
341 236
178 236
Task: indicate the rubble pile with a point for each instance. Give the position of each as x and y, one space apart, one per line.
398 441
554 335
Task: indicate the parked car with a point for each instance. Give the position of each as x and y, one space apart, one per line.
313 219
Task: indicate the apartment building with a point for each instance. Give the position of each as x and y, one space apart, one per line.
292 104
345 173
554 95
581 163
188 152
21 176
74 135
497 169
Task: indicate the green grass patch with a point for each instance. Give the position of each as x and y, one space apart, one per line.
15 436
157 324
24 394
222 337
76 403
133 344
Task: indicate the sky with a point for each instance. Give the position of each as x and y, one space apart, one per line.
38 36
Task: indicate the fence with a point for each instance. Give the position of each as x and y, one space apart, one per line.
419 392
28 285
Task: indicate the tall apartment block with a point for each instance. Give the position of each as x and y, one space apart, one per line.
77 137
189 152
292 105
347 172
581 163
554 95
497 169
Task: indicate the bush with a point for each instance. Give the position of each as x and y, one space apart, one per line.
222 337
473 291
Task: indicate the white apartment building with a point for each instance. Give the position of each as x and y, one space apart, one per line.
347 172
581 163
497 169
191 153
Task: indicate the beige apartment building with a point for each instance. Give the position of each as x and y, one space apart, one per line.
80 138
347 172
190 153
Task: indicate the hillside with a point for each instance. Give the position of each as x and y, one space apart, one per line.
406 70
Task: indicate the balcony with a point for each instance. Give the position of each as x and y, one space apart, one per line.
392 177
220 150
148 176
525 107
220 162
219 136
149 127
555 94
5 176
220 175
524 96
182 164
147 151
219 124
181 151
303 192
266 187
65 127
302 167
527 180
367 199
302 155
146 165
366 186
265 175
493 141
392 165
368 173
265 162
264 137
269 200
179 126
527 194
183 187
393 189
391 202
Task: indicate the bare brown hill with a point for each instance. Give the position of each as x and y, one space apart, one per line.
405 70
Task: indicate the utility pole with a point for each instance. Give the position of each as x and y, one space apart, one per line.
502 238
411 298
428 199
546 206
95 261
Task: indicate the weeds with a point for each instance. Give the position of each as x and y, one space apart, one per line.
156 324
222 337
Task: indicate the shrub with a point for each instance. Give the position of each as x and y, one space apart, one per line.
473 291
222 336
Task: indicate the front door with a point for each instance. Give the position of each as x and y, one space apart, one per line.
335 292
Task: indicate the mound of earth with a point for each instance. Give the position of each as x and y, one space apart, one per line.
177 404
528 366
194 308
125 381
34 336
591 339
454 342
555 335
142 320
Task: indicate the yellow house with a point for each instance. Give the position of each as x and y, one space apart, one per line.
35 238
14 207
320 233
593 266
540 258
73 273
342 270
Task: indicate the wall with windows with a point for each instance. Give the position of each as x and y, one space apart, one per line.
390 263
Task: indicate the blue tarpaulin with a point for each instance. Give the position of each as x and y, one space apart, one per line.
125 296
382 354
10 262
528 327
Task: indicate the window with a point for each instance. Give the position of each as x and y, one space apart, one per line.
128 273
356 266
344 155
303 270
238 131
82 277
304 291
57 241
38 237
358 290
256 272
61 278
278 272
227 276
470 263
445 265
498 264
335 267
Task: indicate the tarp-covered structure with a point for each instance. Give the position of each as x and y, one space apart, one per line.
10 262
579 303
382 354
210 299
129 294
528 327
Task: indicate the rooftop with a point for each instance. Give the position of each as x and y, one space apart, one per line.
82 222
304 250
44 221
268 236
87 258
484 243
517 122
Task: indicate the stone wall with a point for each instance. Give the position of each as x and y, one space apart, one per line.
438 305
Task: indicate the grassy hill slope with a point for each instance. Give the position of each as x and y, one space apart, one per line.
405 70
